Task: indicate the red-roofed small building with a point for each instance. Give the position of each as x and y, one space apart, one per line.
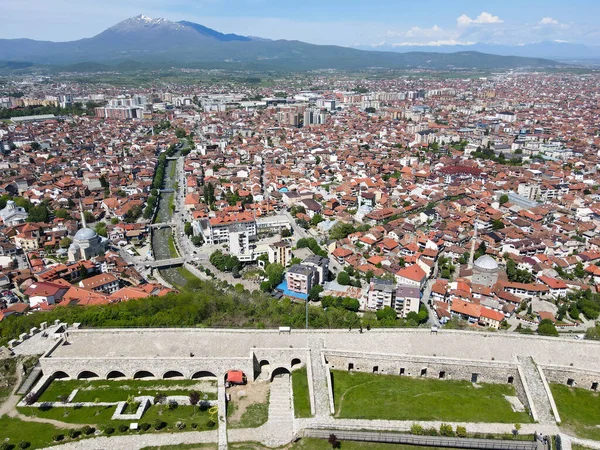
412 275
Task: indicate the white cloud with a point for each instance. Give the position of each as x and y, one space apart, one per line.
548 21
481 19
432 43
417 32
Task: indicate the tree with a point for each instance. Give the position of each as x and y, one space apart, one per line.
333 441
180 133
64 398
343 278
65 242
275 273
317 219
89 217
30 399
83 273
61 213
209 194
194 397
387 314
497 224
503 199
314 293
341 230
188 229
197 240
547 328
38 213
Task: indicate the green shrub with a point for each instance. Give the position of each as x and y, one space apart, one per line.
87 430
417 429
73 434
24 444
431 432
109 430
194 425
58 437
123 428
180 425
5 446
158 424
210 423
461 431
446 430
145 426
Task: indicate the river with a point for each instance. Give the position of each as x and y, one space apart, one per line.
177 276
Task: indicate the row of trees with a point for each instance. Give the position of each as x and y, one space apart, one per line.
225 263
208 306
312 244
74 109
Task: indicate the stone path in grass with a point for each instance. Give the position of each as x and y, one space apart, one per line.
9 408
568 441
136 442
538 393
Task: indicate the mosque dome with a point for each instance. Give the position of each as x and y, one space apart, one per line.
486 262
85 234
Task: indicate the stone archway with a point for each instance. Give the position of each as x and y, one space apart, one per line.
142 374
278 372
87 375
114 374
203 374
173 374
296 363
60 375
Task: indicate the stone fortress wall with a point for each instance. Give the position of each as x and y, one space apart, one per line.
193 353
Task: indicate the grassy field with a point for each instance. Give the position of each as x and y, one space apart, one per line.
370 396
301 393
101 416
579 447
579 410
119 390
37 434
255 415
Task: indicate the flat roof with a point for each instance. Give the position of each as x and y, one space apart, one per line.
210 343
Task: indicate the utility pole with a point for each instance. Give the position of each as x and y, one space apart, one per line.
307 313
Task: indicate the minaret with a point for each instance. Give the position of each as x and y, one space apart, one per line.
83 224
472 256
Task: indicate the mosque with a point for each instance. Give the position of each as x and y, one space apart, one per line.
86 243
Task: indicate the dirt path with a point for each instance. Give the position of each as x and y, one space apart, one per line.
9 408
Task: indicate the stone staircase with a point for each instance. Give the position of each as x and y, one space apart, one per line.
31 379
319 383
538 393
280 427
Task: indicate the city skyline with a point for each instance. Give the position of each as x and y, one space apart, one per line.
352 23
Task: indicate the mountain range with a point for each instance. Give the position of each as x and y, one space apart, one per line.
161 42
558 50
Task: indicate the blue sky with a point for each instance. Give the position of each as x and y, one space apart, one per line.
347 22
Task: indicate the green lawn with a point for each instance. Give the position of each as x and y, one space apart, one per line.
101 416
38 434
371 396
301 393
579 410
579 447
119 390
